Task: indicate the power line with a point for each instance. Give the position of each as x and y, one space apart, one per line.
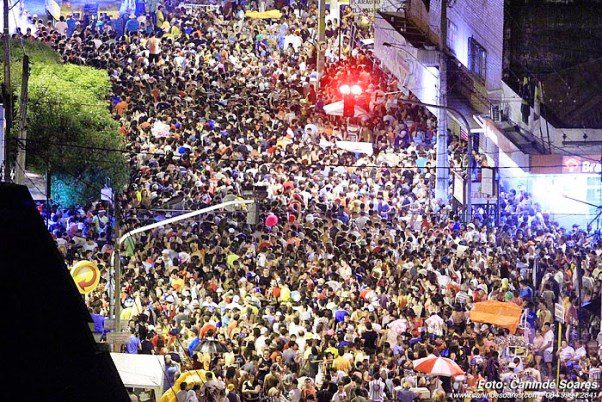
293 163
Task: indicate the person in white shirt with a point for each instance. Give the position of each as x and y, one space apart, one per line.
376 389
61 26
548 346
566 352
340 395
435 324
182 394
260 342
89 245
580 351
191 396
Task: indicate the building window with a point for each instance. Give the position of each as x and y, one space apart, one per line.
452 34
477 58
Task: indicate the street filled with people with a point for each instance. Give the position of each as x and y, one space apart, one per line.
355 269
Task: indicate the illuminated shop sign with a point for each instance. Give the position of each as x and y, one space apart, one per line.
577 164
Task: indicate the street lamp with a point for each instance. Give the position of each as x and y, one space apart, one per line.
116 262
442 184
468 216
356 90
345 89
350 92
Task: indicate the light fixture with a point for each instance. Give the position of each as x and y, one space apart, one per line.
356 90
345 89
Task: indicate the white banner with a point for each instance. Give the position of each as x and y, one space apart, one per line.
194 6
356 146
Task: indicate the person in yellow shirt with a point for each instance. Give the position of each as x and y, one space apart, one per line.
174 30
341 363
229 357
165 27
231 258
285 294
160 16
332 349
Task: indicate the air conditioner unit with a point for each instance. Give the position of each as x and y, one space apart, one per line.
495 112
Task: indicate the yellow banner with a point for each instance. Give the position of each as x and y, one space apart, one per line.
270 14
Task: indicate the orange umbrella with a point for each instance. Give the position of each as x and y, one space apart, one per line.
437 365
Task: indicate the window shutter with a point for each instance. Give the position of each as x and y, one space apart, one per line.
471 54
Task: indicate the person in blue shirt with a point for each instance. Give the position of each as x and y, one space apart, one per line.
71 25
193 344
140 7
340 314
171 369
131 25
133 344
525 292
343 216
99 321
531 317
118 25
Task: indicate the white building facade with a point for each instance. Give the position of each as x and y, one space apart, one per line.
532 154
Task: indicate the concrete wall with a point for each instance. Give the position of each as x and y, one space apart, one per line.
481 19
403 64
511 105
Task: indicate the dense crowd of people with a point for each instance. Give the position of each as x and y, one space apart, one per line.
359 271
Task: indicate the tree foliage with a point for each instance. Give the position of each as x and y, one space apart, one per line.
69 125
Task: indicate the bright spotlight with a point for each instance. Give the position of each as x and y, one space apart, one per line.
345 89
356 89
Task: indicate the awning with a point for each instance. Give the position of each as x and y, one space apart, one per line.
141 371
502 314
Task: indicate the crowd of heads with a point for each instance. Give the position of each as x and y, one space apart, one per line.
364 271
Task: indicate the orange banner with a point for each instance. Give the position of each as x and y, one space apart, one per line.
503 314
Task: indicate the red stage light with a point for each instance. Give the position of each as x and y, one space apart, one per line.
356 90
345 89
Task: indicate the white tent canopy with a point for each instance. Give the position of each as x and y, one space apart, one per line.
141 371
336 109
17 17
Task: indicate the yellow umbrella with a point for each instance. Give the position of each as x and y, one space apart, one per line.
191 378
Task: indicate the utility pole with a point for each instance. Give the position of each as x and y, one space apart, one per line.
117 265
580 289
22 148
469 150
442 160
7 92
48 189
321 45
2 140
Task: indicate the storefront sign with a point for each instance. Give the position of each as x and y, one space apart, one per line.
578 164
360 5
